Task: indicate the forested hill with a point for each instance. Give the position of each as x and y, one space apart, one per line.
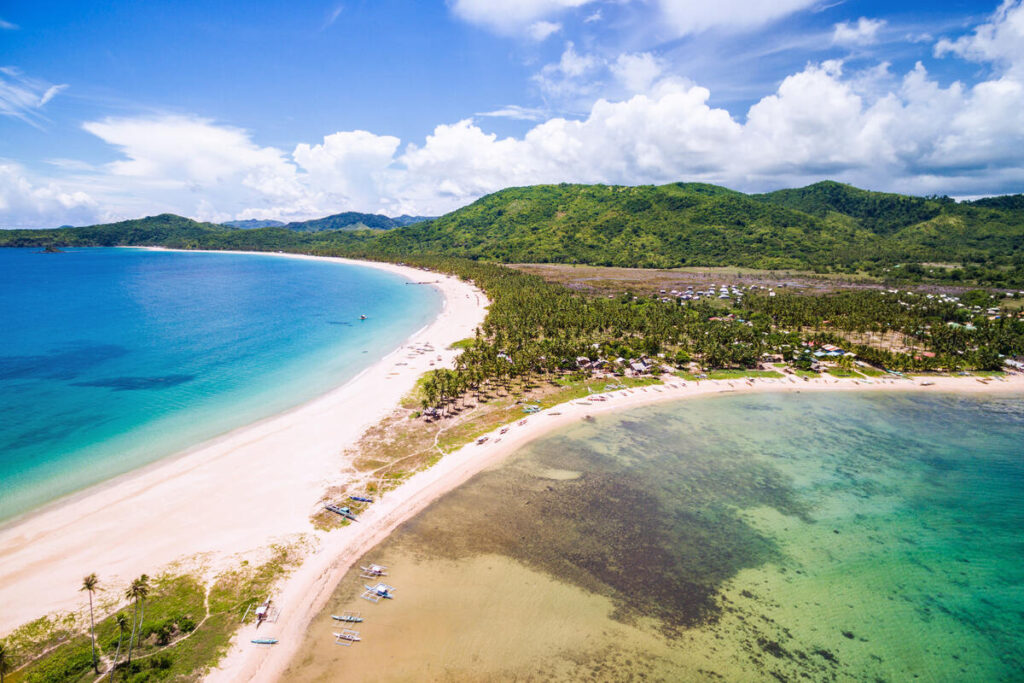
352 220
826 227
149 231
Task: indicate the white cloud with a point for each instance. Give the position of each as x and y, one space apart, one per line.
1000 42
571 77
510 16
23 97
514 111
862 32
542 30
8 26
637 72
25 203
684 17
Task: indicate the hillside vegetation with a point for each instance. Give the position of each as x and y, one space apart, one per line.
826 227
353 220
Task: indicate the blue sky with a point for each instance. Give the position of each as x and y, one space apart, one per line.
221 110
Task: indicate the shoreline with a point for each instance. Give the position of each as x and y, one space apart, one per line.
306 592
145 520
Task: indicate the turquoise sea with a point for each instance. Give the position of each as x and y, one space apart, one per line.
113 358
787 537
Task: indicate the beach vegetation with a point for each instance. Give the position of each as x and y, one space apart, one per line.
179 634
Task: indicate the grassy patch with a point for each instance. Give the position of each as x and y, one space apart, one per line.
871 372
844 374
185 630
742 374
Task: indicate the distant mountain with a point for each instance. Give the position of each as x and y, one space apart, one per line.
352 220
252 224
148 231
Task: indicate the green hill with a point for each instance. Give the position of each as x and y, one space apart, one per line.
824 226
353 220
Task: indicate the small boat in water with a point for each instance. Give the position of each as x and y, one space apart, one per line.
362 317
361 499
348 617
265 641
347 637
381 591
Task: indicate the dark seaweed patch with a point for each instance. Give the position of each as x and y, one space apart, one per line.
64 363
625 535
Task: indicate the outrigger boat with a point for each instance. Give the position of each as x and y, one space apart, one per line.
349 617
375 594
344 512
347 637
374 571
361 499
265 641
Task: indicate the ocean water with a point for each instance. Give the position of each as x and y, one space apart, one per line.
744 538
113 358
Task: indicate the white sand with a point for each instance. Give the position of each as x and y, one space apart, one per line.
307 591
235 494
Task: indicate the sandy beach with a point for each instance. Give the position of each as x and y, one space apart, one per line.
233 495
308 589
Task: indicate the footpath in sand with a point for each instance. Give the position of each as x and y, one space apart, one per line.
307 590
236 494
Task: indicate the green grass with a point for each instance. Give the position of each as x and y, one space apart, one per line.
807 373
730 374
742 374
177 639
845 374
871 372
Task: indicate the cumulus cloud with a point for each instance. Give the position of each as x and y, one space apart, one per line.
23 97
864 31
1000 41
25 202
637 72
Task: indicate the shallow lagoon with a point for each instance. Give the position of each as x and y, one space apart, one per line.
762 537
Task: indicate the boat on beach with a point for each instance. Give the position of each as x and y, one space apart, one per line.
344 512
264 641
361 499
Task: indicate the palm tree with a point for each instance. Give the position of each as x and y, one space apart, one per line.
136 592
122 623
5 661
89 584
